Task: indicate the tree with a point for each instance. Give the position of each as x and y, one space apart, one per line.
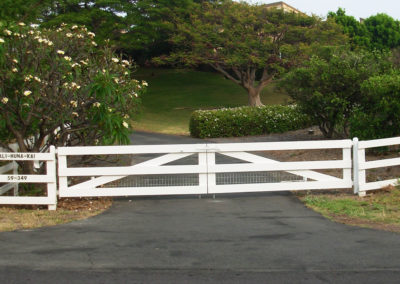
384 31
357 32
21 10
327 88
105 18
58 88
248 44
378 114
380 32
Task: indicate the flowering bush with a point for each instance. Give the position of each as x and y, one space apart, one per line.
244 121
57 87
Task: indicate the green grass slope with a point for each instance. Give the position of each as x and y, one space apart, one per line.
173 94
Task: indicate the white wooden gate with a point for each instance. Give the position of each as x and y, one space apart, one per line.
239 167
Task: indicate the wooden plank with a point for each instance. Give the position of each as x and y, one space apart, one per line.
283 186
27 178
379 142
135 191
282 166
273 146
7 168
6 188
26 156
136 149
20 200
378 184
379 164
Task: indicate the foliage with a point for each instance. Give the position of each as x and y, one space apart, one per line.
384 31
21 10
248 44
58 88
380 32
244 121
327 88
357 32
103 17
378 114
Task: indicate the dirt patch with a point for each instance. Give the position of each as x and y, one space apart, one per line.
68 210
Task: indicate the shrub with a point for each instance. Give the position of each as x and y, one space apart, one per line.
327 87
378 114
244 121
57 87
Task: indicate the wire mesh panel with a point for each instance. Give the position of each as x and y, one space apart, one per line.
255 177
156 180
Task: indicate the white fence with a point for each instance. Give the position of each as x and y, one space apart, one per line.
196 169
361 165
14 179
250 174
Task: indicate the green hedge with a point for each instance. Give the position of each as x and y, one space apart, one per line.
244 121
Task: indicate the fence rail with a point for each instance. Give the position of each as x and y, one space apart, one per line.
361 165
195 169
13 180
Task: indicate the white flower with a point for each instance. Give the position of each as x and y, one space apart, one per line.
84 62
27 93
59 30
90 34
28 78
4 100
144 83
15 60
15 70
1 40
125 62
116 80
126 73
74 103
7 32
94 44
69 35
21 24
74 27
96 104
37 79
110 109
80 36
75 114
49 43
135 94
125 124
126 116
67 58
60 52
116 60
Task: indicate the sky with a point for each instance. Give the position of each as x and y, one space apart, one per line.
355 8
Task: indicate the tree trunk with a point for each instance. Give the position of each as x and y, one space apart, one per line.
254 97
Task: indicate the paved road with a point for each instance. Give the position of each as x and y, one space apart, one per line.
253 238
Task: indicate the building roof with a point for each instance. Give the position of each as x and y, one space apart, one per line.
282 4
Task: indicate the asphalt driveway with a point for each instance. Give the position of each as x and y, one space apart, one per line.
252 238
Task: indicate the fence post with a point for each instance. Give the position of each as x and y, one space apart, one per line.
52 186
15 172
356 185
211 177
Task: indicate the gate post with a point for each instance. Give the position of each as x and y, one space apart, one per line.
358 174
356 184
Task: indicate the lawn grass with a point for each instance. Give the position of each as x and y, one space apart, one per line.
381 207
173 94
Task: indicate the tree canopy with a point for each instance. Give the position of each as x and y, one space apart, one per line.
248 44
